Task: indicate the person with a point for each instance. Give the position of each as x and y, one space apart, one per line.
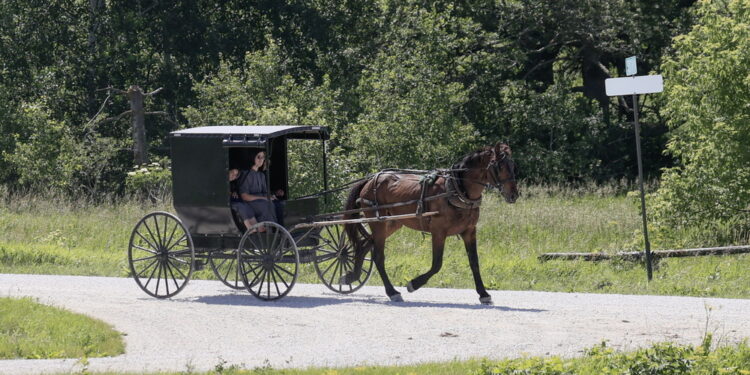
253 189
243 209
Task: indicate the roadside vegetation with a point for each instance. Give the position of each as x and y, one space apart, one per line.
58 235
659 359
31 330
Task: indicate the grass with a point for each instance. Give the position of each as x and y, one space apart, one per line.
68 236
659 359
32 330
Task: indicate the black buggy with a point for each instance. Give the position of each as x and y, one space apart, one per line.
265 259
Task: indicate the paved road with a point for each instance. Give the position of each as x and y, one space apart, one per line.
208 324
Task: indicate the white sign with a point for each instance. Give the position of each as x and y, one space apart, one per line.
634 85
630 67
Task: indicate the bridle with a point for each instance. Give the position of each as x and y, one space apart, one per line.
453 182
493 168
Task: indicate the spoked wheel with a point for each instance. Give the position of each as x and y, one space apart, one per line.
224 265
269 261
161 254
334 258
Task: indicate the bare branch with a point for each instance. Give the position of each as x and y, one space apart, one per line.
121 115
162 113
154 92
540 65
624 104
603 68
110 88
144 11
100 109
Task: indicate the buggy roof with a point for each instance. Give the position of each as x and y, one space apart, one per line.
256 132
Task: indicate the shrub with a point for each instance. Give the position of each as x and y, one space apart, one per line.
149 181
707 85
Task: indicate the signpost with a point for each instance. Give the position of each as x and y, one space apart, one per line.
635 85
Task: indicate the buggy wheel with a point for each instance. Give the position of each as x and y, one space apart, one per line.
161 254
224 264
334 259
268 260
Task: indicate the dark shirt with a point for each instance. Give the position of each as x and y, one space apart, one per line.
234 187
253 183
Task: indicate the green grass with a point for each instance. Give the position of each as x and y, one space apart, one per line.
64 236
659 359
32 330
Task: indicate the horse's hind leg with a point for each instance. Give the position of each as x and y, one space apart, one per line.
362 242
470 241
378 256
438 245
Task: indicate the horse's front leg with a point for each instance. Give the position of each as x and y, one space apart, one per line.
438 245
470 241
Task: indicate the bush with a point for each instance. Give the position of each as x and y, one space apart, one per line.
659 359
707 85
150 181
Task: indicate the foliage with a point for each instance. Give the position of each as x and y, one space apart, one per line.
558 133
50 156
39 160
707 89
31 330
261 92
412 114
661 359
401 83
152 181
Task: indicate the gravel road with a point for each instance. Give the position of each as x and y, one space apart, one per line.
208 324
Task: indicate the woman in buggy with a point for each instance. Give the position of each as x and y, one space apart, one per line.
249 195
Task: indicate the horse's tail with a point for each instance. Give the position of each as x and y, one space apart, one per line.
356 233
352 230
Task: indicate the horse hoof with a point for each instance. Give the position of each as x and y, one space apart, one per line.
409 287
486 300
396 298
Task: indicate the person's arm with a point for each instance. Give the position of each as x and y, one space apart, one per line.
246 188
250 197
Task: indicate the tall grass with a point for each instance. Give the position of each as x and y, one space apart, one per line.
71 235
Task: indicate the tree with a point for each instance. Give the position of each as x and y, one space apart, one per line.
707 85
261 92
412 109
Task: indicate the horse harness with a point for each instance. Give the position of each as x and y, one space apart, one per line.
454 192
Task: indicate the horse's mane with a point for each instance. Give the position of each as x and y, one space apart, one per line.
471 159
468 161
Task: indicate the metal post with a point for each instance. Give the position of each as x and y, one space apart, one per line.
325 173
268 171
649 269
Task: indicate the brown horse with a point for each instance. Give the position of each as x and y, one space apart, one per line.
457 195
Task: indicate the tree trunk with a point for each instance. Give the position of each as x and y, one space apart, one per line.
96 10
140 147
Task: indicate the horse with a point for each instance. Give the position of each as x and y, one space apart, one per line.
455 195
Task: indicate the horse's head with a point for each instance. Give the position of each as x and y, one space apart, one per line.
502 172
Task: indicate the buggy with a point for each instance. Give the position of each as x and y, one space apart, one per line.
165 249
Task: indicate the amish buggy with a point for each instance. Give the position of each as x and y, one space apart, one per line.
165 249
